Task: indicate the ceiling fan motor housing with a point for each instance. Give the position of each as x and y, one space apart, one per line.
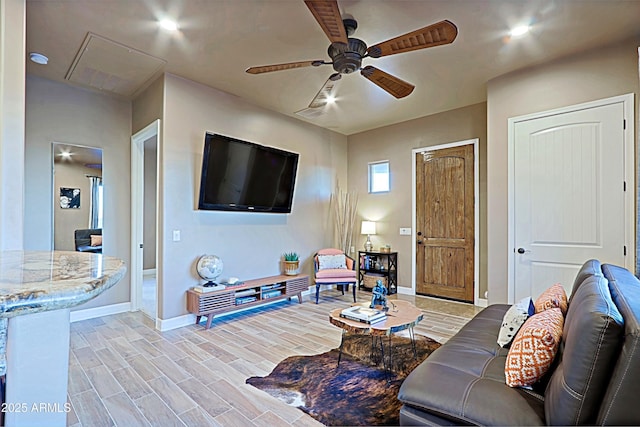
347 58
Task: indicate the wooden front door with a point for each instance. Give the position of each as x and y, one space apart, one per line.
445 223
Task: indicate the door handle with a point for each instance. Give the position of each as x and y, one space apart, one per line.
523 250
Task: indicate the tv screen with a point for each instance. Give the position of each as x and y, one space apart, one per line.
244 176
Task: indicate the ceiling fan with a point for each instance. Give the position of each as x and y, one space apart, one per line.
347 53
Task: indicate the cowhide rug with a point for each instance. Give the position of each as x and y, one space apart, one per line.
358 392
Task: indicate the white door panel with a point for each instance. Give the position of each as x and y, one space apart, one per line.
545 274
569 202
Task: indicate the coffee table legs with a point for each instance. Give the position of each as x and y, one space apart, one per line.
341 344
388 360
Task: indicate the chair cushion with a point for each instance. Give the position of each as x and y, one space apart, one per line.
331 274
332 262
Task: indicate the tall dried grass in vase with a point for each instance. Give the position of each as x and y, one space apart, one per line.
344 205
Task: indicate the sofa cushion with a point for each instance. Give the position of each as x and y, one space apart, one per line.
534 348
554 296
463 382
589 268
591 336
620 403
513 319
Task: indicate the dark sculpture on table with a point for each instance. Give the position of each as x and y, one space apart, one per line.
379 297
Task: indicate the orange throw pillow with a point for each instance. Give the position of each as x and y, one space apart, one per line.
555 296
534 348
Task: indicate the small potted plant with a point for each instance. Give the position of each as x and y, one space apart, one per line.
291 263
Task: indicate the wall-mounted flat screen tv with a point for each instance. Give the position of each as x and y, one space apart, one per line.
243 176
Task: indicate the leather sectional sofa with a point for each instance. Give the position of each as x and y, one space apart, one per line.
595 378
82 240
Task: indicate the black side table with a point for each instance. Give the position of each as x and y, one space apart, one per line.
387 266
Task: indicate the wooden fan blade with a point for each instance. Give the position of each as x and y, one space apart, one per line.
279 67
328 16
437 34
395 86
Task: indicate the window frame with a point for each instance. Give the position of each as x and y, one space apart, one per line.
370 174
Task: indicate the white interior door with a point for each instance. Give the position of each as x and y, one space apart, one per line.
137 219
569 195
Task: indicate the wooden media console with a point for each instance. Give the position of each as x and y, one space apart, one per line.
248 294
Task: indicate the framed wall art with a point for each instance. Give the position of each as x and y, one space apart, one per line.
69 198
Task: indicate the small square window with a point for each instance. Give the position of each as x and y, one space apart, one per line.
379 177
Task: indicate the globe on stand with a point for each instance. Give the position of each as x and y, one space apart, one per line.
209 267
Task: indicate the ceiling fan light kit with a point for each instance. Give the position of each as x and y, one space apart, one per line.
347 53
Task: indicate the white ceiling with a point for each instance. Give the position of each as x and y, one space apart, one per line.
218 39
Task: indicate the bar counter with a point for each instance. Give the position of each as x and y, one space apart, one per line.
37 289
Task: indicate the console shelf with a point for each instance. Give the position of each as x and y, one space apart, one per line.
387 269
249 293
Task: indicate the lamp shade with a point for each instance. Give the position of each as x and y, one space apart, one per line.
368 227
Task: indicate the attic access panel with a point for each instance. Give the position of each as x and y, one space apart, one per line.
112 67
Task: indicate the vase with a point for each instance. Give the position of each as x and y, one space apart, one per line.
291 267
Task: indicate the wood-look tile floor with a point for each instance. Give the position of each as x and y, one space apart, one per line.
123 372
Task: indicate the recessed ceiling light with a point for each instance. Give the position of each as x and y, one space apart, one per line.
331 99
168 25
38 58
520 30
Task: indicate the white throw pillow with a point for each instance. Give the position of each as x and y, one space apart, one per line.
331 261
513 320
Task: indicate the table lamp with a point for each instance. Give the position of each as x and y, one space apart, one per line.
368 228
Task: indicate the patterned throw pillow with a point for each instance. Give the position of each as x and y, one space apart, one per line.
555 296
331 261
533 349
513 320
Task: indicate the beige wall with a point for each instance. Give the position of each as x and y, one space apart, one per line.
148 106
66 221
60 113
598 74
250 244
12 104
393 210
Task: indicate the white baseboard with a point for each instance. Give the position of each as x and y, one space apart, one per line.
149 272
481 302
92 313
175 322
405 291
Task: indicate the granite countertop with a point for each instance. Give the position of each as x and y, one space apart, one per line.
36 281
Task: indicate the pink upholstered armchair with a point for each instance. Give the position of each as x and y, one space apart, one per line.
333 267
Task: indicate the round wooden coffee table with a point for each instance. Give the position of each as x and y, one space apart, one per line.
401 315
